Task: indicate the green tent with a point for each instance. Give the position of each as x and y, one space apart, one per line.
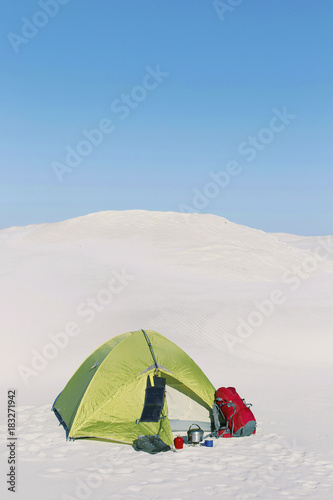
138 383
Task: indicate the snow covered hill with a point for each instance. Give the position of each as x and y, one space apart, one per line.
254 310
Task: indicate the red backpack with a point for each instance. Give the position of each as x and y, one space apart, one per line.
239 419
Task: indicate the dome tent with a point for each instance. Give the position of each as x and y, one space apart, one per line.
118 391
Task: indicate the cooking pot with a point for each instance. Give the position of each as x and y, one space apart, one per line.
195 436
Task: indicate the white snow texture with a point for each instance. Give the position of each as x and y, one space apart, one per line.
254 310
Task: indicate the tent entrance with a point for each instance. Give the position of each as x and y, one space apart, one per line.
184 408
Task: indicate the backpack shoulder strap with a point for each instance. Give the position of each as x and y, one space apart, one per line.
216 420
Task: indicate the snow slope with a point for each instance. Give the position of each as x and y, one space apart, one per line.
254 310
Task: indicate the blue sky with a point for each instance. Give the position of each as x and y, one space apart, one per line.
68 66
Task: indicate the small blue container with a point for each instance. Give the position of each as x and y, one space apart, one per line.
209 443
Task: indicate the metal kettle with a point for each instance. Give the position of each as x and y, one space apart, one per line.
195 436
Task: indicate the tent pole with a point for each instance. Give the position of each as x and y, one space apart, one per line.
151 348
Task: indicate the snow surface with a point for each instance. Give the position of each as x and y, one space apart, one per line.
194 278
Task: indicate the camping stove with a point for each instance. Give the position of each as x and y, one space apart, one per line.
194 436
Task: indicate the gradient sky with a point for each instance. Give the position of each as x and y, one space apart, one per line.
226 75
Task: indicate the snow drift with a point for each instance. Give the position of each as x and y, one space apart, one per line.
254 310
